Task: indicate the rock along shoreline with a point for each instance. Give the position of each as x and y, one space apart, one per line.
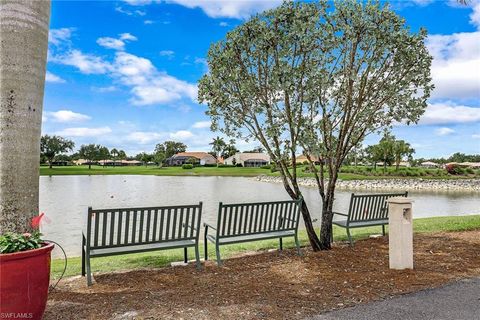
460 185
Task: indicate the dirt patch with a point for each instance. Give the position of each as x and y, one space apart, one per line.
269 285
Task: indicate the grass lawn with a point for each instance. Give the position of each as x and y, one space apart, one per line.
157 259
360 173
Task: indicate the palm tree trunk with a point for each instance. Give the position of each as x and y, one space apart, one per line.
23 56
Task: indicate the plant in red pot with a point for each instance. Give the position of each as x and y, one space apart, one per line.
24 273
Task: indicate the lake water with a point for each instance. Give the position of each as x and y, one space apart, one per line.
65 199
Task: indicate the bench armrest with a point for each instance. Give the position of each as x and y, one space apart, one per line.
188 226
206 225
340 214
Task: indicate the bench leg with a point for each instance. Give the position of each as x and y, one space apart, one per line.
217 252
281 244
185 255
197 257
298 245
349 237
383 229
89 270
83 256
205 247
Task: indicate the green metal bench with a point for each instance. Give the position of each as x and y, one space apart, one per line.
252 222
366 211
131 230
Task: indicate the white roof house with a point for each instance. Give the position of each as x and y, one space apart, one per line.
248 159
429 164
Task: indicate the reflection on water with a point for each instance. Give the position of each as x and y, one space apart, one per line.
65 199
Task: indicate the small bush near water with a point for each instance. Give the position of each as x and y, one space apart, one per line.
187 166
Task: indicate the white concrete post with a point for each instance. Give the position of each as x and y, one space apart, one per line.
400 233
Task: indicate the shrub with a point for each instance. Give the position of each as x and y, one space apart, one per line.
226 166
453 169
210 165
187 166
470 171
266 167
238 165
273 168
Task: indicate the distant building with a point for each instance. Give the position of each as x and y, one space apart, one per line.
201 158
247 159
81 162
131 163
429 164
303 158
473 165
404 164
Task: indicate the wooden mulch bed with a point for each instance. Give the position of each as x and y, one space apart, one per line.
269 285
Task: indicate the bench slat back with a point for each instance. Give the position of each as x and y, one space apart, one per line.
120 227
253 218
370 207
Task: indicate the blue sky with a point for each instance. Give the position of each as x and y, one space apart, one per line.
123 73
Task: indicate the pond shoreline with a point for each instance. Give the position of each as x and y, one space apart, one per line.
460 185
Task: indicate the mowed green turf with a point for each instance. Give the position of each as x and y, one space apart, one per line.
157 259
360 174
153 170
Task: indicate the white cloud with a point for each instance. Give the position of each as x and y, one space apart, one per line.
138 2
50 77
423 2
167 53
444 131
456 65
148 22
111 43
181 135
476 136
105 89
130 13
223 24
57 36
201 124
67 116
143 137
88 64
148 85
116 44
128 37
445 113
84 132
475 15
239 9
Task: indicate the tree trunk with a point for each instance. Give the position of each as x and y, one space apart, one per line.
326 227
50 164
23 55
89 166
307 219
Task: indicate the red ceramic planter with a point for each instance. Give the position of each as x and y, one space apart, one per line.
24 280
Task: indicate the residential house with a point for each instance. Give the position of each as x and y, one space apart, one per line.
429 164
247 159
81 162
201 158
303 158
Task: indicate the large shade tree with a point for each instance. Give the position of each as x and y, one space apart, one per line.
304 78
23 56
92 153
53 146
